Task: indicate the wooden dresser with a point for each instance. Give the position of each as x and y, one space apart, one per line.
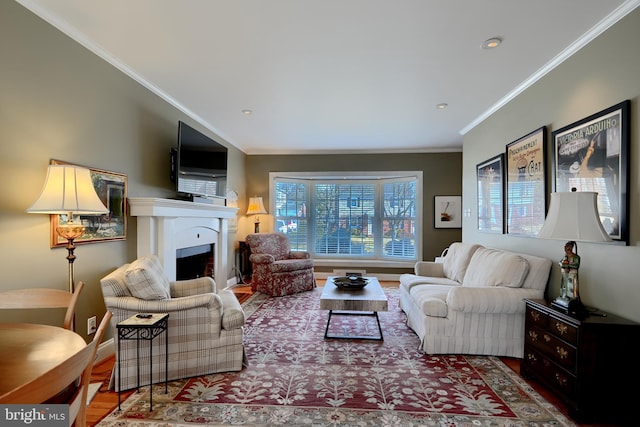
589 363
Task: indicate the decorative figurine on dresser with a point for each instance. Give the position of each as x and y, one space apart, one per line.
569 266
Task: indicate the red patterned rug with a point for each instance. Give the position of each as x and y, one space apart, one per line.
296 377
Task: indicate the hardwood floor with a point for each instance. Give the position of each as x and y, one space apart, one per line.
105 401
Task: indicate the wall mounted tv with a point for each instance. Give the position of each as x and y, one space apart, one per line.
200 164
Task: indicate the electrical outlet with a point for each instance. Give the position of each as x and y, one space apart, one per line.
91 325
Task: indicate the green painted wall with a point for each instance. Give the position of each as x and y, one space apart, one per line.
441 177
602 74
60 101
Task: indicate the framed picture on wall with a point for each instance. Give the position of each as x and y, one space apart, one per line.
490 189
592 154
447 211
526 183
111 188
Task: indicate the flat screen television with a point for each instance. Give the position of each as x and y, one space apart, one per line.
200 164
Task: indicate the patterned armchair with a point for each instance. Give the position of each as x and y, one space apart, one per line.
205 326
277 270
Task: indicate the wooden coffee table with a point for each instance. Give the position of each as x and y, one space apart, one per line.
367 301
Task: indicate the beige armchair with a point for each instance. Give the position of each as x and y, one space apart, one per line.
204 331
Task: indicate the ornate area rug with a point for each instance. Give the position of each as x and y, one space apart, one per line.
296 377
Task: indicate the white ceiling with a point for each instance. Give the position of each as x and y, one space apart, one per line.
334 75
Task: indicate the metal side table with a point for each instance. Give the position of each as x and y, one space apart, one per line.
144 327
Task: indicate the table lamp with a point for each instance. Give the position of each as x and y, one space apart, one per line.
573 216
256 207
68 190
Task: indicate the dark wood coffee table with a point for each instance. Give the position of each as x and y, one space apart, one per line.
367 301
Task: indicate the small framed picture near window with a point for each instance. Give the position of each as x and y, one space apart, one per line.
593 155
447 211
526 183
491 195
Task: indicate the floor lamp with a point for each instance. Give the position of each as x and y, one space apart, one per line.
69 190
572 217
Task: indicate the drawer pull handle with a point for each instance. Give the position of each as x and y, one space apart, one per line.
562 352
561 380
535 315
546 337
532 357
562 328
533 335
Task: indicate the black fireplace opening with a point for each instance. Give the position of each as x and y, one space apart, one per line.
194 262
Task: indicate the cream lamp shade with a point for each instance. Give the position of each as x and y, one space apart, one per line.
574 216
256 206
68 189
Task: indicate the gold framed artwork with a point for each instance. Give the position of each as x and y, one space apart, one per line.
111 188
526 204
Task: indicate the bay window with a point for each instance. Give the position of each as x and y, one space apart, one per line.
365 216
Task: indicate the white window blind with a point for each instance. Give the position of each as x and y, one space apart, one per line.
355 216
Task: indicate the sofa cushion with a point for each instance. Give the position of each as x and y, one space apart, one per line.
538 274
432 299
288 265
494 267
146 279
407 281
457 259
113 284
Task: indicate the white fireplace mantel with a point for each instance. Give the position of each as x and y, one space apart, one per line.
166 225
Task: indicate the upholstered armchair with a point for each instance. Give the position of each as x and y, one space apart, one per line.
277 270
204 329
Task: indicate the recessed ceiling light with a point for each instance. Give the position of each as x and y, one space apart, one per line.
491 43
442 106
247 112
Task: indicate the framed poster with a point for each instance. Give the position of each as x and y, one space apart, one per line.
111 188
491 195
526 183
447 211
592 154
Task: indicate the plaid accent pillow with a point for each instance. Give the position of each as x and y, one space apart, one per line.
146 279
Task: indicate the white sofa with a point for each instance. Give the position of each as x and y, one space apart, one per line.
472 301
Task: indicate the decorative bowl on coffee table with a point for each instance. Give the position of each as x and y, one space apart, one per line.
350 282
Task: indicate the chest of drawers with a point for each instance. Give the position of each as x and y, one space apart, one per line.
589 363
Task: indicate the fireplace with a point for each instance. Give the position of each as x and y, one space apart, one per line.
166 226
195 261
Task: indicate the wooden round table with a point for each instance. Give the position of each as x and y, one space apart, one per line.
28 350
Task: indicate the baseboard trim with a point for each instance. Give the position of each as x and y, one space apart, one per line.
106 349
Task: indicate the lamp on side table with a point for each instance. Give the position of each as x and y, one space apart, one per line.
572 217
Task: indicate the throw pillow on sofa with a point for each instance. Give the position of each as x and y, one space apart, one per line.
146 280
493 267
456 261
